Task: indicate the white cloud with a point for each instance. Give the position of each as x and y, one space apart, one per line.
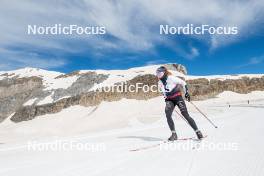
256 60
134 25
252 61
194 53
156 62
18 59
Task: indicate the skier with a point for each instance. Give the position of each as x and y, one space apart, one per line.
171 87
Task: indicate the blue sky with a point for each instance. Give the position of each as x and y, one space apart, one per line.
133 37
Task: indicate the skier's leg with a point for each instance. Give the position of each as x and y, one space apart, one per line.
182 106
168 111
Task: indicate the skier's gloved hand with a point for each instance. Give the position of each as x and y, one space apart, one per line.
187 96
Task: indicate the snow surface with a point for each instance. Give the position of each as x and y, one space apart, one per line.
30 102
224 77
128 124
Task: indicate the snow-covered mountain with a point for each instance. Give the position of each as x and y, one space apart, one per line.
31 92
32 87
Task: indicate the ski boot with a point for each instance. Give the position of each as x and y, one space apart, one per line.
199 134
173 137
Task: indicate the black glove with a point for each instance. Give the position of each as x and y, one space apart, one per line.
187 96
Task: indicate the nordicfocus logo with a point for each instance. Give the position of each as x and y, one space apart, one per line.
124 87
201 146
190 29
59 29
65 145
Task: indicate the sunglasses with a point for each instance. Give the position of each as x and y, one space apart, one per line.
159 74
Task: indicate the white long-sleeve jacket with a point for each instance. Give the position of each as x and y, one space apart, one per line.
172 85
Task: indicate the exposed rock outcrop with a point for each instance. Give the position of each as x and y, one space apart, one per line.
82 85
199 89
204 88
177 67
16 91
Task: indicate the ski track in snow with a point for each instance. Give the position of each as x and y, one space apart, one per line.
241 125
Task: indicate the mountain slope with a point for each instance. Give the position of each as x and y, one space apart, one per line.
28 93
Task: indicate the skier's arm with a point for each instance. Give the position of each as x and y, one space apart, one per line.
177 80
162 89
184 86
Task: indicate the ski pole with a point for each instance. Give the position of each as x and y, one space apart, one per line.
182 117
203 114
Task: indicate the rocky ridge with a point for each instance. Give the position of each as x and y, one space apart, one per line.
25 97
